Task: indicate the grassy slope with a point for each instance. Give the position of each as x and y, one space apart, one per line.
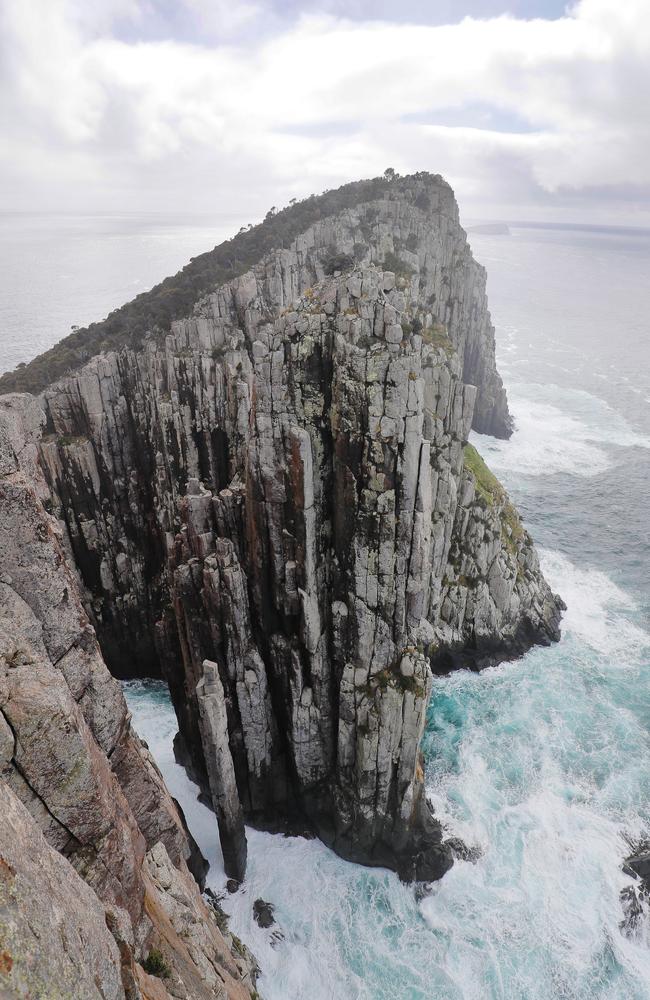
486 483
490 490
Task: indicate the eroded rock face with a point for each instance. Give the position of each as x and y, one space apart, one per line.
135 428
277 504
73 771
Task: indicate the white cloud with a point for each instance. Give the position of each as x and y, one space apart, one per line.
221 18
99 120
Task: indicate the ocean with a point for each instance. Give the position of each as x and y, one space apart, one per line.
542 764
61 271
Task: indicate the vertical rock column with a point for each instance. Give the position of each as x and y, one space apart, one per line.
221 772
213 618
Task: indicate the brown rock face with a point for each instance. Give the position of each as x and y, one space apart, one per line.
86 784
74 954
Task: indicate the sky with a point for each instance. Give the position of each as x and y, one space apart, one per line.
531 109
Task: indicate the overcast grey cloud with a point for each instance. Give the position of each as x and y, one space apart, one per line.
201 105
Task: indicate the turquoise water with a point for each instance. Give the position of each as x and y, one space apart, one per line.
542 764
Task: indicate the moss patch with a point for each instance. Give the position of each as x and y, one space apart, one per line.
392 676
72 439
487 485
491 492
438 337
512 531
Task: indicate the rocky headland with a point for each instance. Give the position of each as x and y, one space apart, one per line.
270 501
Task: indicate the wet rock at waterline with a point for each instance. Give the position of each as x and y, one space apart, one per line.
635 898
263 913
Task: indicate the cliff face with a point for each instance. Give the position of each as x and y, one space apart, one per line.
276 507
94 853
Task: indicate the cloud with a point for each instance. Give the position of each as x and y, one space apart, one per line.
223 18
246 108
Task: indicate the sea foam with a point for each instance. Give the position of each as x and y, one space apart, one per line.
558 431
539 764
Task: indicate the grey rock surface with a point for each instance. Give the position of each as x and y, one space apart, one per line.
213 723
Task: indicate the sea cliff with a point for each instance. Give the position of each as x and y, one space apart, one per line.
274 506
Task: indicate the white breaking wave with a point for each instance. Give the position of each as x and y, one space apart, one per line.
537 917
598 612
540 763
551 768
558 431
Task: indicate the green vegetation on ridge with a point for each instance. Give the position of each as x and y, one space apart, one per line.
154 311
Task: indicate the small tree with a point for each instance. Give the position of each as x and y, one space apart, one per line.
389 174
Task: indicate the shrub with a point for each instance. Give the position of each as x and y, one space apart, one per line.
394 263
338 262
156 965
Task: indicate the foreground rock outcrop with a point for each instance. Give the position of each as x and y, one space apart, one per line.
94 853
79 956
274 506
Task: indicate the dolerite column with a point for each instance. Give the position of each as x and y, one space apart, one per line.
221 772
